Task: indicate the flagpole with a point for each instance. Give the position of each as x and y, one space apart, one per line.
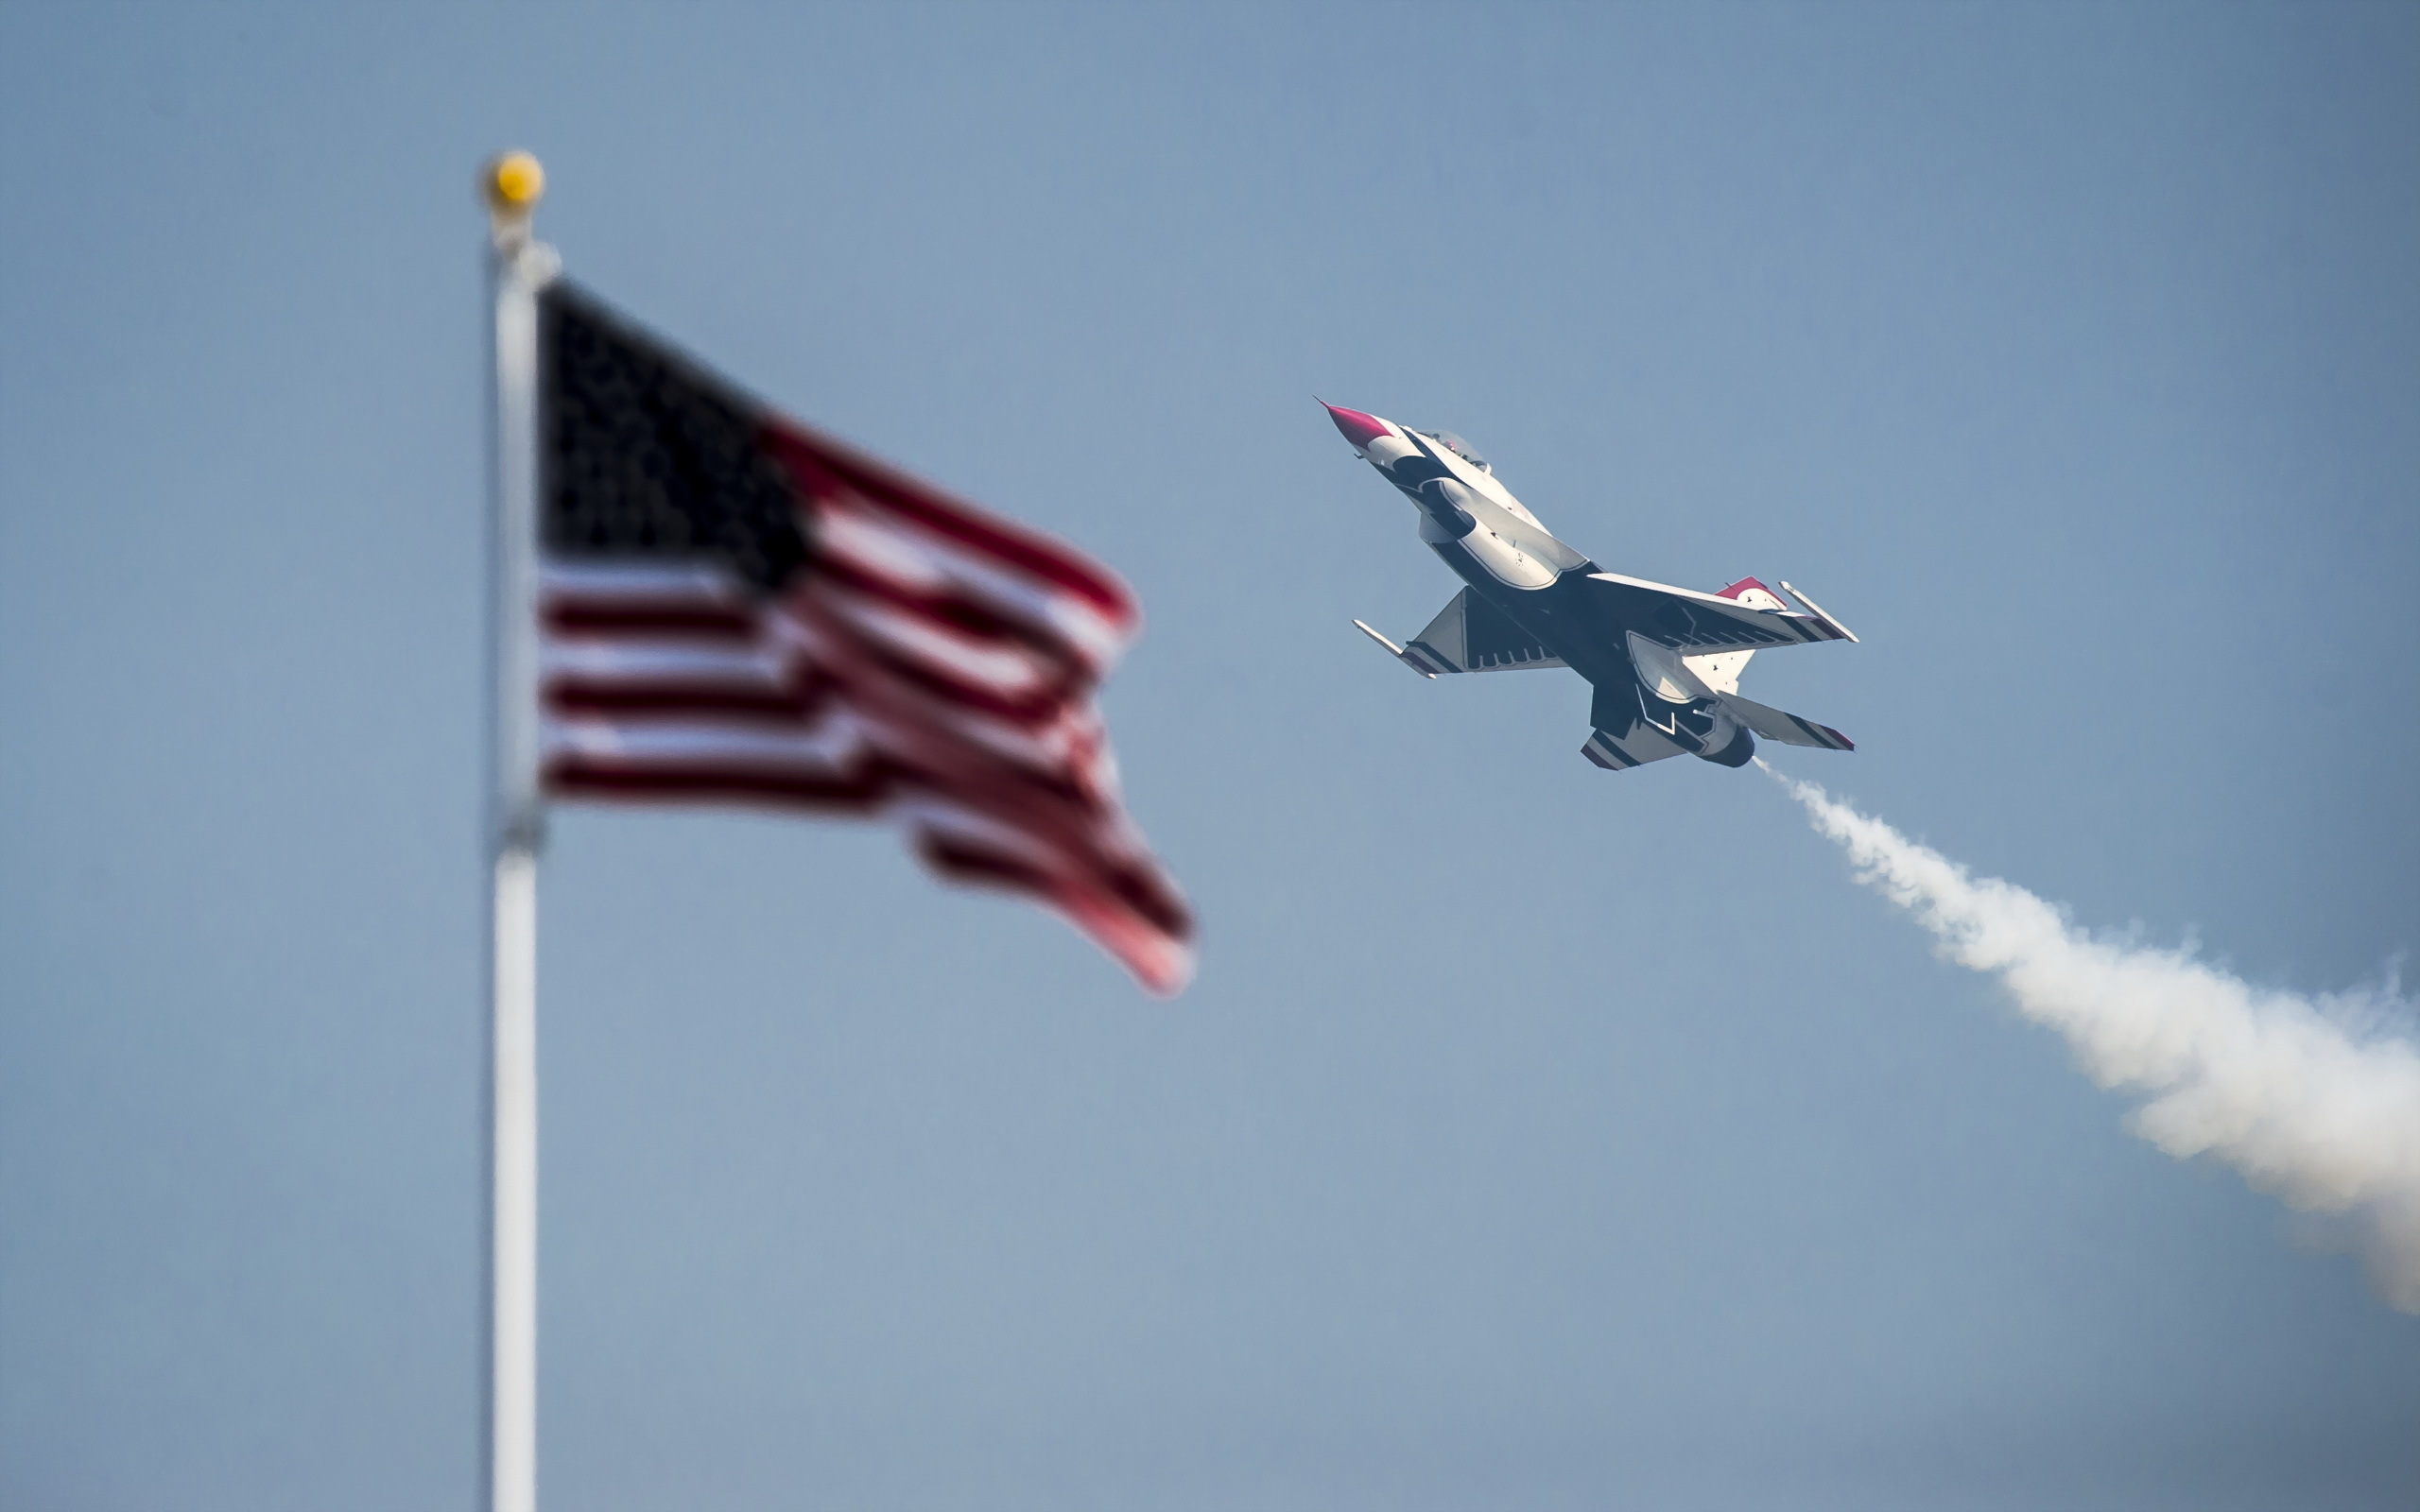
519 268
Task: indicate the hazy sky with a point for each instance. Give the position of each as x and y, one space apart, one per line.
1535 1137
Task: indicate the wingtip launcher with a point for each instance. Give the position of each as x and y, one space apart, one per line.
1817 609
1394 650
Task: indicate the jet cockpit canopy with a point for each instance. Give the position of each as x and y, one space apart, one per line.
1460 448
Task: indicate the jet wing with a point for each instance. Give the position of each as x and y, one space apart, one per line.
1689 621
1470 635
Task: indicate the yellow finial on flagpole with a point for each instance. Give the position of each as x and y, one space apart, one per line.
511 185
515 182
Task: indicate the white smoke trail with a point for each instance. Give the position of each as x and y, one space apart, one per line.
2315 1100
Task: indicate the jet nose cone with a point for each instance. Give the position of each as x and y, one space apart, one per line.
1359 428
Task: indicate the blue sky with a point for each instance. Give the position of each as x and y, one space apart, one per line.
1535 1137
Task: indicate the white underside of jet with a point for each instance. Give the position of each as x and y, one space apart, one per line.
1685 648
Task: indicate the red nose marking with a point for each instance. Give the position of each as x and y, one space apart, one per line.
1359 428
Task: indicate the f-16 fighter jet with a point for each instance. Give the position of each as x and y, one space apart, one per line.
1665 661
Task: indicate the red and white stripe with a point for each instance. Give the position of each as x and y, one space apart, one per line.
932 660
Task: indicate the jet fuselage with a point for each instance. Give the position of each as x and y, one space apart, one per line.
1631 641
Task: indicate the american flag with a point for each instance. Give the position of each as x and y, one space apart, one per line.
736 608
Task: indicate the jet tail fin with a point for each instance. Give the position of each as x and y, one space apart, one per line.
1720 670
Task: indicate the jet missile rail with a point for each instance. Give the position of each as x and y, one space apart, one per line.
1664 661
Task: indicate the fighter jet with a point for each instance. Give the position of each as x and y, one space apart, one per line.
1665 662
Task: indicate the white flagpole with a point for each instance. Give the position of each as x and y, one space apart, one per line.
518 269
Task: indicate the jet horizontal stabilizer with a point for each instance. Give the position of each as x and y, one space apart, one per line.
1625 736
1634 748
1786 727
